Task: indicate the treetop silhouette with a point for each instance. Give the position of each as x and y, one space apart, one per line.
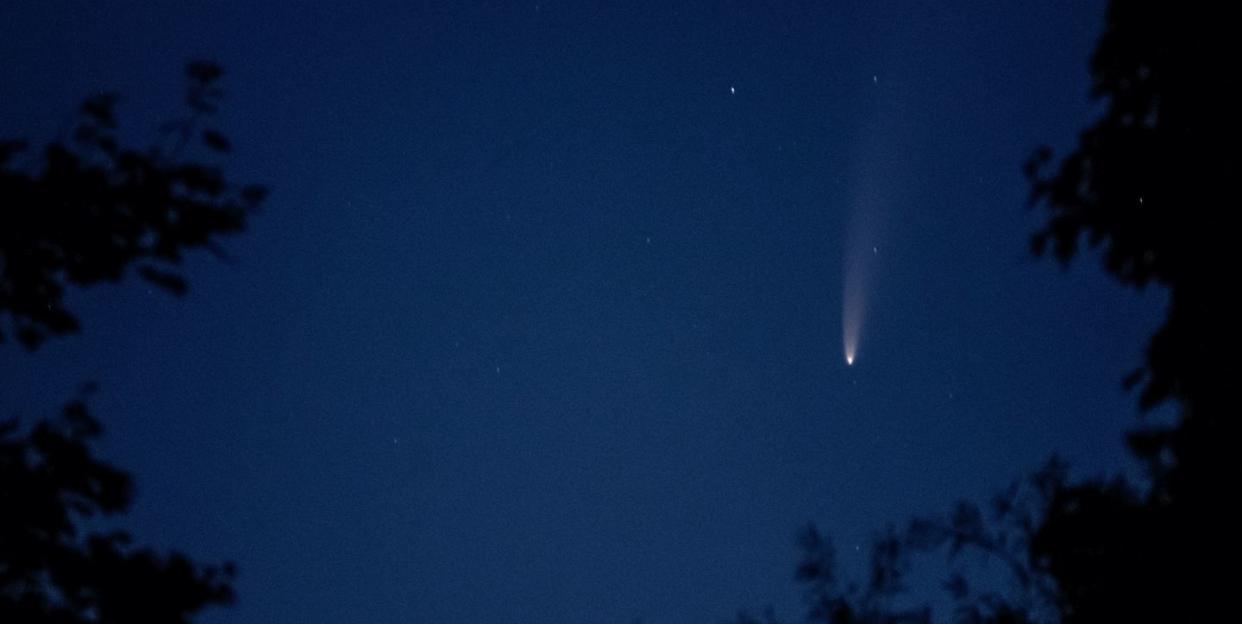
85 208
80 211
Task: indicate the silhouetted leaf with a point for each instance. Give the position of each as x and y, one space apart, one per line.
216 141
205 72
101 109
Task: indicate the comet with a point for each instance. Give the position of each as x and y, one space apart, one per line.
857 267
860 259
853 305
875 191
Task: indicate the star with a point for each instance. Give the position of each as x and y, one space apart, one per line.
732 91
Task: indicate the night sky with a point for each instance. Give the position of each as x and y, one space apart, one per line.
543 319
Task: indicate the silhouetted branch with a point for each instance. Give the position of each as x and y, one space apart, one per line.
88 207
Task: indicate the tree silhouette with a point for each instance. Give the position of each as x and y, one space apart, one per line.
51 570
84 210
87 208
1150 184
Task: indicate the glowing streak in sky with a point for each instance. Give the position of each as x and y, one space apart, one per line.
857 275
851 315
875 191
861 254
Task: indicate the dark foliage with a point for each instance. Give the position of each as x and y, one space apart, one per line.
85 209
51 568
81 211
1002 534
1151 184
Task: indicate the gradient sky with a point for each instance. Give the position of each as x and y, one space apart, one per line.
542 320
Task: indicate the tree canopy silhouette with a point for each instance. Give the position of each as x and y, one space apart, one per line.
1151 184
87 208
51 569
84 210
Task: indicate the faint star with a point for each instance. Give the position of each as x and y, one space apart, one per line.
875 79
732 91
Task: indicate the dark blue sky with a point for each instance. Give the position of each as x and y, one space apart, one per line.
542 321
